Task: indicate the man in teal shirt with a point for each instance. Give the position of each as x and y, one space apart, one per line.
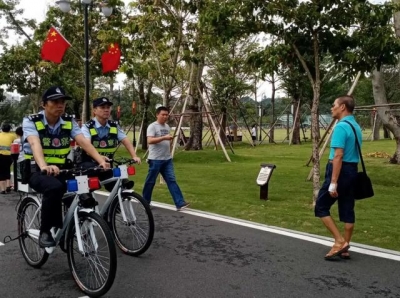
340 175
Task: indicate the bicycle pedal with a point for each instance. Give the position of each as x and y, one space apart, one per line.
50 250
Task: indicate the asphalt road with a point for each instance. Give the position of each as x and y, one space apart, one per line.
192 256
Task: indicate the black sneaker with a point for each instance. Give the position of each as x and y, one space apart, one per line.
184 206
46 240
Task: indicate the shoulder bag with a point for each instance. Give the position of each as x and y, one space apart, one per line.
363 185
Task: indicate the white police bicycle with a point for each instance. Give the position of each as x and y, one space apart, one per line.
84 236
128 214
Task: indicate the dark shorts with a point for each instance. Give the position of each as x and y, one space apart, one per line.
5 162
254 138
345 191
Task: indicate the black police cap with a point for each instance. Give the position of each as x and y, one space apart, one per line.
55 92
100 101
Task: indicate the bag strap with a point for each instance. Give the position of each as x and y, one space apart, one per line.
358 145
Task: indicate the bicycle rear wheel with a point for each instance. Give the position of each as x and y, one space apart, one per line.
29 216
94 269
134 235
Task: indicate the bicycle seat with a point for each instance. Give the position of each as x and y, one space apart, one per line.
127 184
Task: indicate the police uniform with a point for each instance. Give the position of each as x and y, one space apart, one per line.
104 138
55 145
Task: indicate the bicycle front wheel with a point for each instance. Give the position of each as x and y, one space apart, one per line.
28 229
135 234
94 268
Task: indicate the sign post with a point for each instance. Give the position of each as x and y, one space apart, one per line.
263 179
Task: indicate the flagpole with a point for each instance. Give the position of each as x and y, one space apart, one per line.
86 112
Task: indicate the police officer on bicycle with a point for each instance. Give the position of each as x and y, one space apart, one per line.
105 134
47 140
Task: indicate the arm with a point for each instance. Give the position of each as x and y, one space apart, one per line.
336 167
156 140
88 147
131 150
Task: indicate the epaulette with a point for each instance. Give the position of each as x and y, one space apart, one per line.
35 117
113 123
90 123
66 117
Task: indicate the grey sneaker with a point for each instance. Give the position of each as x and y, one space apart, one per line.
184 206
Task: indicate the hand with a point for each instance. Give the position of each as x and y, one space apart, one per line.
51 170
105 158
104 164
168 137
137 159
333 190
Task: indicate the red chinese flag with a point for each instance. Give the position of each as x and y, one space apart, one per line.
54 46
133 107
111 59
118 112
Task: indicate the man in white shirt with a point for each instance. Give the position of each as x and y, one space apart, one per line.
160 159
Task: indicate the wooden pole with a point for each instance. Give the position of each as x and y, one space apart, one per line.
215 128
178 129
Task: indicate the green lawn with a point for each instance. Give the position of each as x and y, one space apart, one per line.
212 184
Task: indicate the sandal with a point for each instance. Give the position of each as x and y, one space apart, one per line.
3 192
336 250
345 255
9 188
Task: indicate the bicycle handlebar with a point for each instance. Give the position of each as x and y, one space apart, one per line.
78 171
122 161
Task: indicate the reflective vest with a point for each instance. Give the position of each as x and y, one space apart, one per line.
107 144
55 146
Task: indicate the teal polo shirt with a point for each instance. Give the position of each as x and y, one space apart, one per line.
343 137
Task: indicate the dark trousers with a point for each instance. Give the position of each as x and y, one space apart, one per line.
345 191
5 164
53 189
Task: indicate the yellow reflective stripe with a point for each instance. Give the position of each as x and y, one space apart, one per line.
49 160
64 151
93 132
105 150
113 130
67 125
39 125
54 160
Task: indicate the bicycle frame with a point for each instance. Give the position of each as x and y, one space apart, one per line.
117 190
72 214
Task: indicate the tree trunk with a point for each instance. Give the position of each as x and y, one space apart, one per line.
315 138
296 123
36 102
145 102
376 124
272 130
384 113
194 106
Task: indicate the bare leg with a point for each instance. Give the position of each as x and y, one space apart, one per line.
348 231
2 185
331 226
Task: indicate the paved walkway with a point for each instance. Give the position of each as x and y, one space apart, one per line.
197 254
